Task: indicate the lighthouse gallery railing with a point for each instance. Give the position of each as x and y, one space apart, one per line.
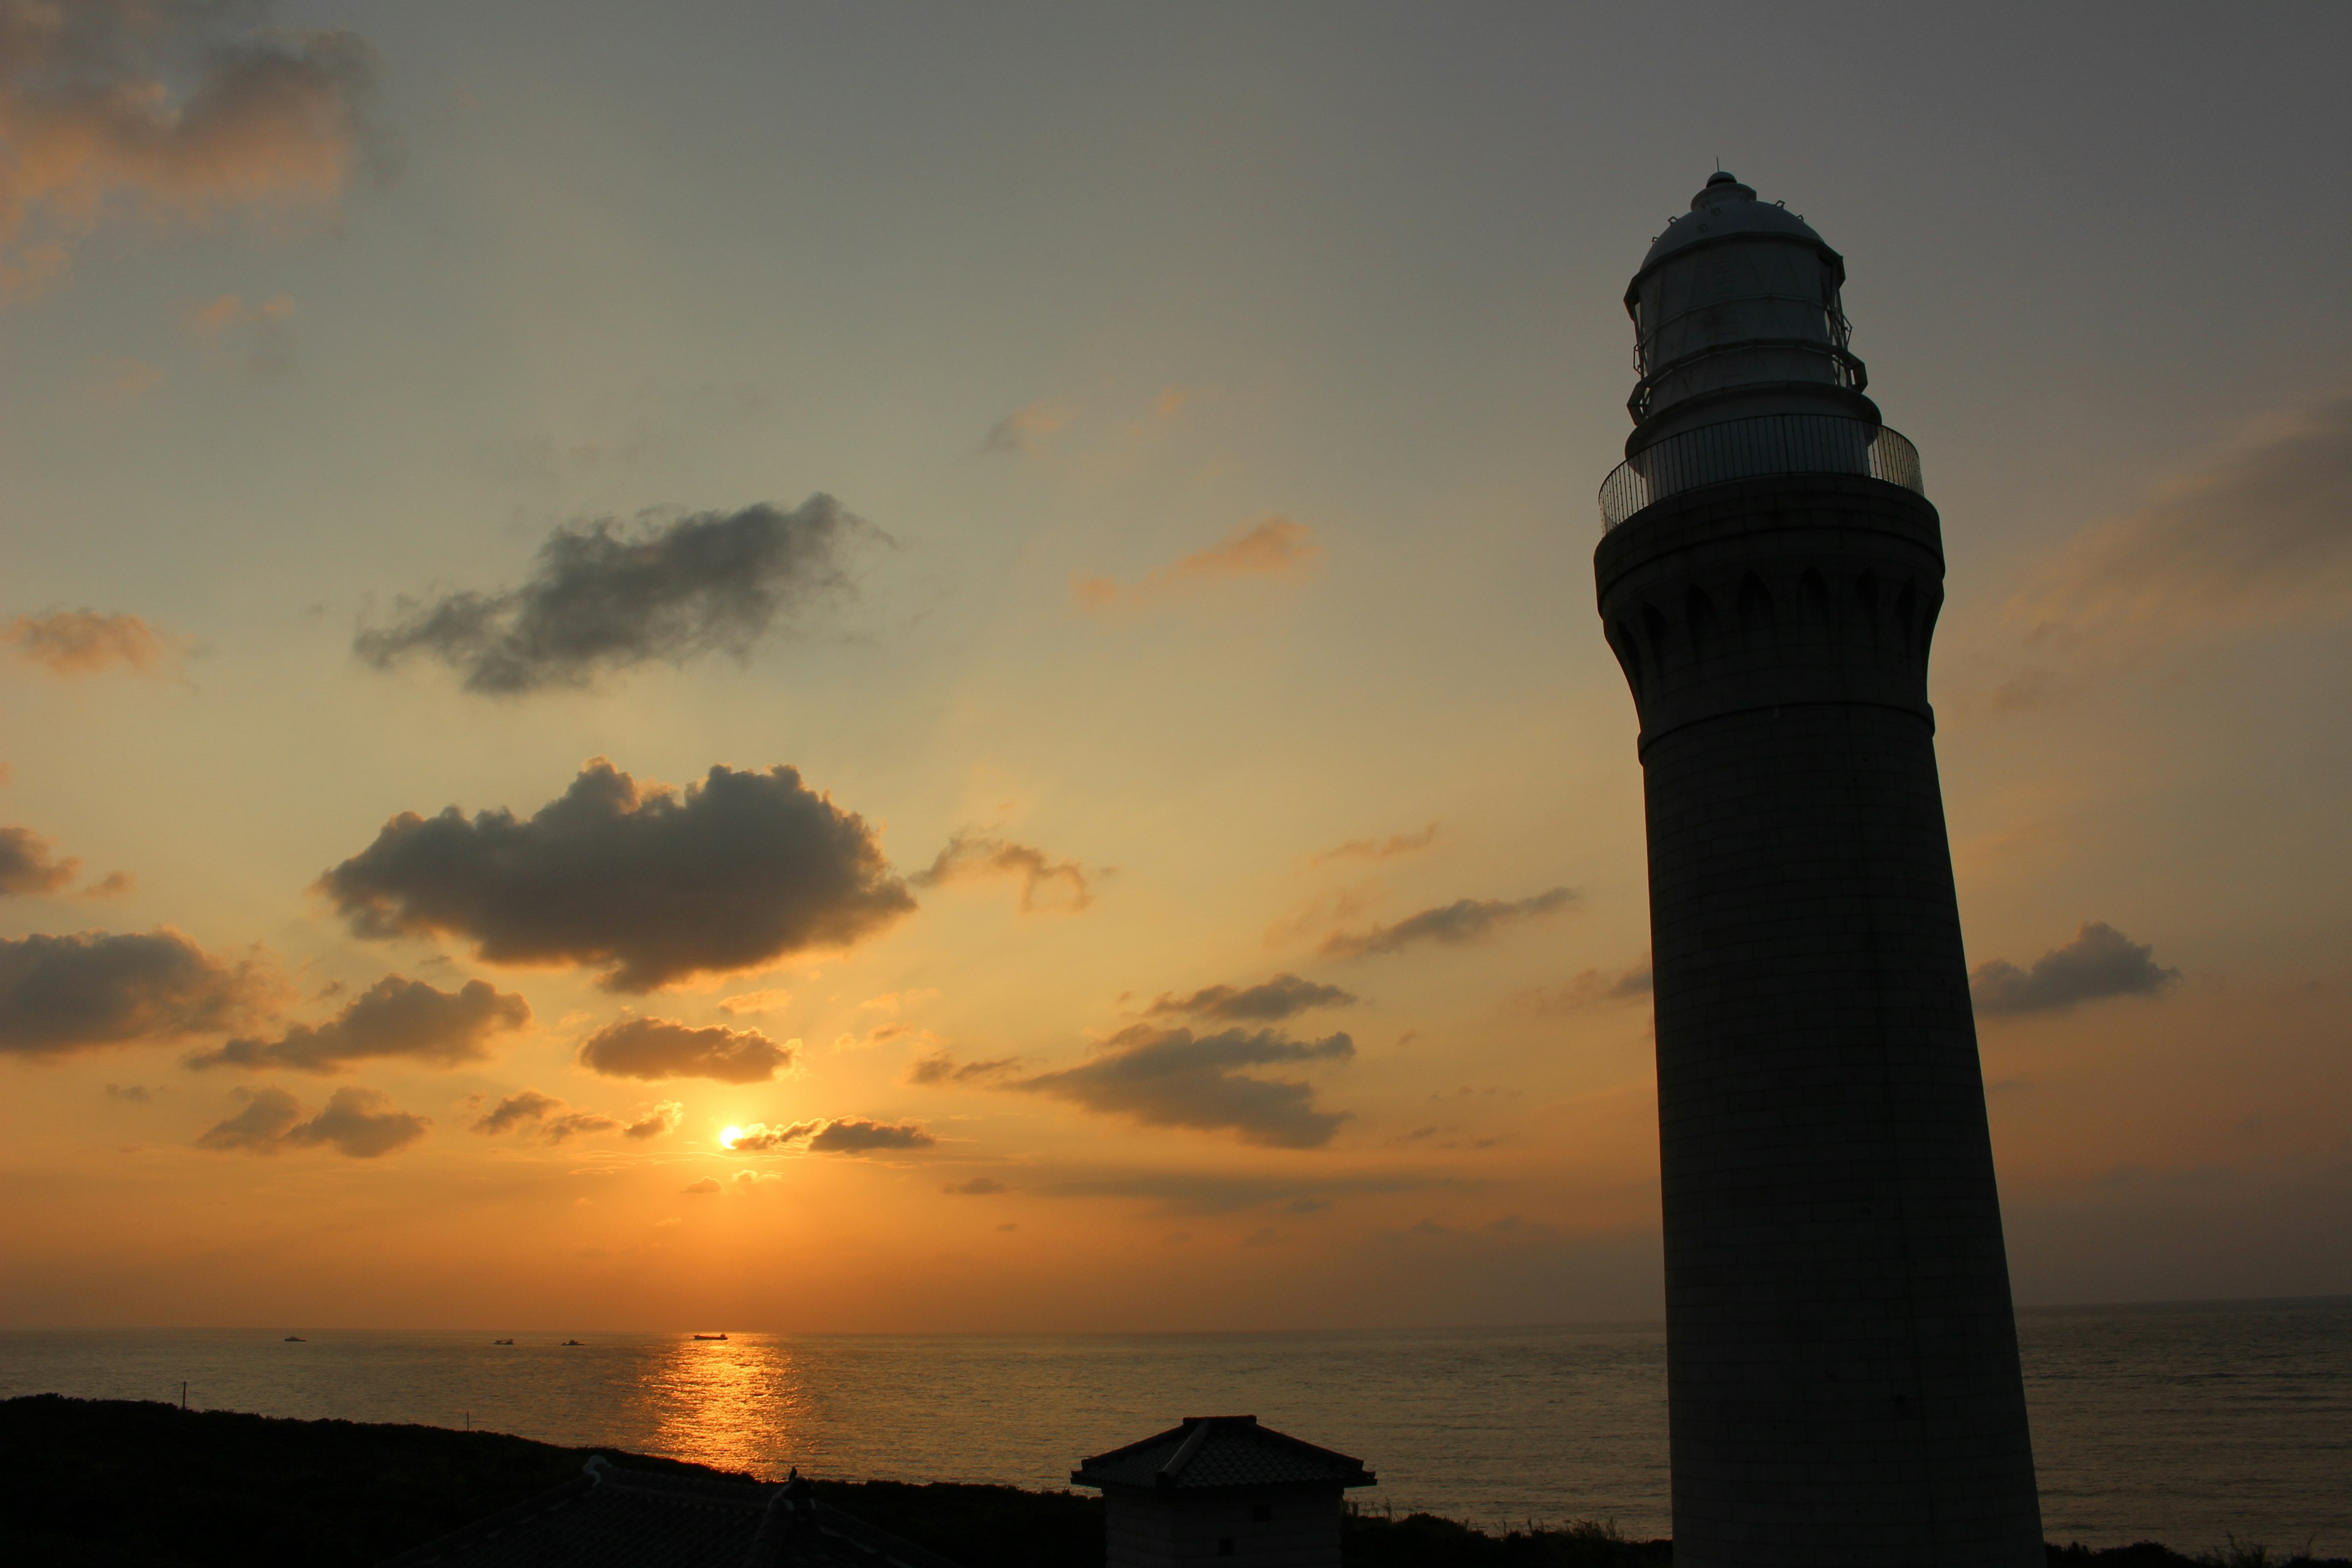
1754 448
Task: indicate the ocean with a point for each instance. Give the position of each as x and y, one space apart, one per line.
2187 1424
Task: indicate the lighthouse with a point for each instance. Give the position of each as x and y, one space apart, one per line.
1842 1352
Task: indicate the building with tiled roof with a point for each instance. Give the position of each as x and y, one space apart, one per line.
1220 1486
609 1517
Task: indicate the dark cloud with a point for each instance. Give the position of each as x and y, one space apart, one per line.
2100 961
1268 1002
842 1135
1587 988
26 867
1388 848
521 1109
360 1123
61 994
394 1017
657 1049
171 109
1463 920
605 599
944 1068
979 1186
1172 1077
969 855
741 871
136 1093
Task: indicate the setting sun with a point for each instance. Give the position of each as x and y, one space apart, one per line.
727 1136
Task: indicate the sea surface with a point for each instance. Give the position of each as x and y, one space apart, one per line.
2187 1424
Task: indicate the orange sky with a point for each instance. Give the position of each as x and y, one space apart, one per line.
1008 609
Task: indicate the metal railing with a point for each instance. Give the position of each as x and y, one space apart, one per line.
1754 448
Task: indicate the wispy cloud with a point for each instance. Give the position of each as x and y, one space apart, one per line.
1023 429
2101 962
1273 547
838 1135
1587 988
2260 533
1267 1002
166 108
1463 920
970 854
1388 848
84 642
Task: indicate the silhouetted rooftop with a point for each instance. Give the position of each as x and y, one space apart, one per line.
614 1518
1220 1451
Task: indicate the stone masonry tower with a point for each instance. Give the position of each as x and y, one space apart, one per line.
1841 1354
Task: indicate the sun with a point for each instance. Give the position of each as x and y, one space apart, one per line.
727 1136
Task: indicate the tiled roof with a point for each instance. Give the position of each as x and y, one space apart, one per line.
1220 1451
613 1518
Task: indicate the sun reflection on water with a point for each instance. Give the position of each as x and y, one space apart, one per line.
737 1404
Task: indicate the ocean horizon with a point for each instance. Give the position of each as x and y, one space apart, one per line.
2191 1423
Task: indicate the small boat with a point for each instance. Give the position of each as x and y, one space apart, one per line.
572 1342
502 1341
710 1336
296 1340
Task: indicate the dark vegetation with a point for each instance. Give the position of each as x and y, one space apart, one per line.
109 1484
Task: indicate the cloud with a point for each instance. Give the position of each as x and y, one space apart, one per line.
756 1002
704 1185
604 600
1463 920
2100 961
1021 430
656 1048
25 866
1587 988
1274 547
177 109
979 1186
136 1093
360 1123
2262 533
944 1068
969 857
657 1120
267 342
1268 1002
843 1135
577 1123
1388 848
83 642
113 885
518 1110
1171 1078
61 994
743 870
394 1017
118 378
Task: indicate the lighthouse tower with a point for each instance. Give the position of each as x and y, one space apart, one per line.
1841 1354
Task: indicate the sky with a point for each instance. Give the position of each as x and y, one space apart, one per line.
932 669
